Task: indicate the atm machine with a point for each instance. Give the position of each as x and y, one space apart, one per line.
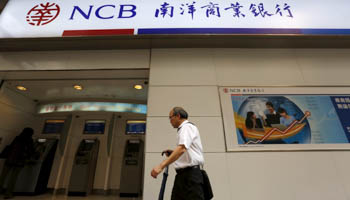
34 177
83 172
131 177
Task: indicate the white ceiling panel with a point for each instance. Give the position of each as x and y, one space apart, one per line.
109 85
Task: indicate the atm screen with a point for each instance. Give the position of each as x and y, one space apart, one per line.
135 127
53 126
94 127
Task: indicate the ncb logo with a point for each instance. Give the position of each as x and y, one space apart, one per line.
43 14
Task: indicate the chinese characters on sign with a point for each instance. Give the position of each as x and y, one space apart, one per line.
190 9
244 90
214 10
343 103
43 14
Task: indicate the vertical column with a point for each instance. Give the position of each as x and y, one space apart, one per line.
186 78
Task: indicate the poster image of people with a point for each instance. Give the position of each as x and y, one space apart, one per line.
270 120
291 119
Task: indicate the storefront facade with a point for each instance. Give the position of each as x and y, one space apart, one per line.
260 53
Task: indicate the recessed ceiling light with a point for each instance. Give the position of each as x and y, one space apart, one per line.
78 87
138 87
20 87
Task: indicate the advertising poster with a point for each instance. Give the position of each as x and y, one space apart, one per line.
302 118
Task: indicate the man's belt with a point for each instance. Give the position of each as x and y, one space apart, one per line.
178 171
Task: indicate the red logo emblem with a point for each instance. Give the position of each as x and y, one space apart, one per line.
225 90
43 14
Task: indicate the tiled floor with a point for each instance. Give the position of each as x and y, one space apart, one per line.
63 197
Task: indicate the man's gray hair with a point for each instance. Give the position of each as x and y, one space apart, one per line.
182 112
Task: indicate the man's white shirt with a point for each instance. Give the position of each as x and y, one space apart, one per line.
188 135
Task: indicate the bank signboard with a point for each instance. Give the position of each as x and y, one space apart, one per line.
57 18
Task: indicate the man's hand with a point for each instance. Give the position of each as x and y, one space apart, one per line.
156 171
167 152
178 151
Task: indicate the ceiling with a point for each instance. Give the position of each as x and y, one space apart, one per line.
101 85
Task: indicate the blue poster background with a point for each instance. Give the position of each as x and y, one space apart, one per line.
329 123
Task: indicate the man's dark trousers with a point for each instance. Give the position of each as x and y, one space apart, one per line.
188 185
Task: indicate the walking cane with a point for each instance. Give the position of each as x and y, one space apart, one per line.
165 177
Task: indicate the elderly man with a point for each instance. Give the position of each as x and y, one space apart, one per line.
187 158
